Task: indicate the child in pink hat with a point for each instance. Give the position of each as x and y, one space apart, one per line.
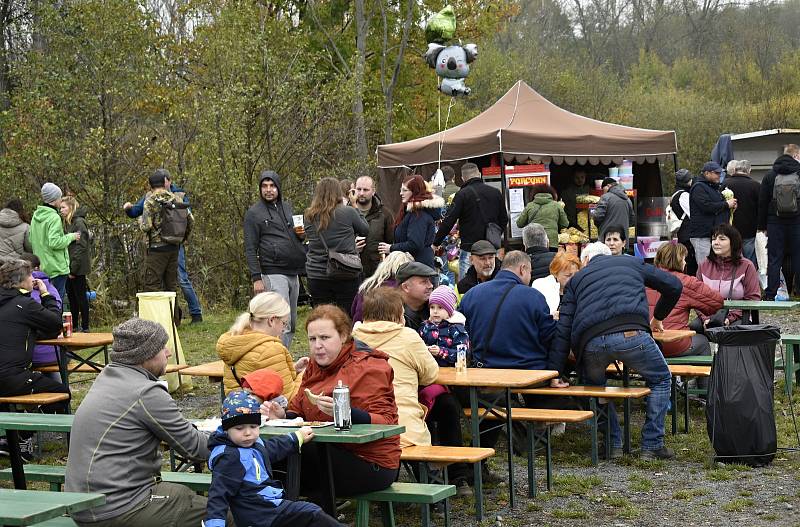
444 331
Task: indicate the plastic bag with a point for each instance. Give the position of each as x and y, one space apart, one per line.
761 252
739 415
441 27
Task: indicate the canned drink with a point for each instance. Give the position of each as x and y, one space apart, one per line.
67 329
341 407
67 324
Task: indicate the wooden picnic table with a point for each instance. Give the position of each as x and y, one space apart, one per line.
30 507
212 370
358 434
754 306
503 380
13 423
70 362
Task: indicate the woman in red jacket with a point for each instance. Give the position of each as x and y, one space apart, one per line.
336 356
695 295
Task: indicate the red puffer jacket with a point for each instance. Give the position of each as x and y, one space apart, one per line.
695 295
369 376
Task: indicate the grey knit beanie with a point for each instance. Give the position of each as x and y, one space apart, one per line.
50 192
136 340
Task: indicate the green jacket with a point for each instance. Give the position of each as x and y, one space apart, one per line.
49 242
80 260
546 212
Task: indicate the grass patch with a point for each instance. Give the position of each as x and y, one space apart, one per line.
745 493
738 505
638 483
533 507
719 474
569 485
570 514
682 495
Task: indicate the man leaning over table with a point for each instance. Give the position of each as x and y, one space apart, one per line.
115 443
604 317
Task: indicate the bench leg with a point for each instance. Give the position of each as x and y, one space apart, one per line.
595 424
531 460
795 353
673 397
477 478
686 407
509 436
788 368
387 514
362 513
626 412
548 457
425 509
476 442
55 486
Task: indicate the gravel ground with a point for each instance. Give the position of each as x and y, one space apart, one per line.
690 490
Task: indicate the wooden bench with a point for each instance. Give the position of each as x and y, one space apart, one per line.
424 456
398 492
33 399
72 367
531 416
55 475
685 371
600 411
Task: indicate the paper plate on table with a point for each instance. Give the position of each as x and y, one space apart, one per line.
297 422
207 425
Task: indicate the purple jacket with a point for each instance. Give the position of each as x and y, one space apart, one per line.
44 355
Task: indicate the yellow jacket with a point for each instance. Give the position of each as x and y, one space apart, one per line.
253 351
413 367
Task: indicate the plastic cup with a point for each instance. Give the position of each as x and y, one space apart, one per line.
297 219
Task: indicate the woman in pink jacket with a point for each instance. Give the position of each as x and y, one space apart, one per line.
695 295
726 272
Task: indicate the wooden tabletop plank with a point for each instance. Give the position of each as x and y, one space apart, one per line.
27 507
539 415
35 398
688 370
80 340
443 454
696 360
358 434
494 377
609 392
672 335
209 369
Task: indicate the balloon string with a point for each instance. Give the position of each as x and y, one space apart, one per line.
446 122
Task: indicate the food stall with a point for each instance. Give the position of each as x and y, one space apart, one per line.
524 139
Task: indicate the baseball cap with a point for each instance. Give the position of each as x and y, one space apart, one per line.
712 166
407 270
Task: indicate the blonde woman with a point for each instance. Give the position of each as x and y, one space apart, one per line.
254 342
331 226
79 261
383 276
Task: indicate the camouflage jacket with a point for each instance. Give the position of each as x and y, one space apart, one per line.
150 221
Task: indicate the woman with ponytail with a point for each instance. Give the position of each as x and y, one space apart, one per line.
254 342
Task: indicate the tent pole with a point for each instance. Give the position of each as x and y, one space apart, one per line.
504 190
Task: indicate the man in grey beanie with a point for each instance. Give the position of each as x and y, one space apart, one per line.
48 240
115 444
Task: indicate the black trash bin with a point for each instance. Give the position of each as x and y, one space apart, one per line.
739 416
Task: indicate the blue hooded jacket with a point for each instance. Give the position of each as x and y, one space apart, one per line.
608 296
524 326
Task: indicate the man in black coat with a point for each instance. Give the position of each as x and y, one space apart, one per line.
537 246
707 208
783 231
746 190
381 224
473 207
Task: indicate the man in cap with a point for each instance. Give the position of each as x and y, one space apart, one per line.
484 266
614 208
707 209
161 262
115 447
474 206
135 210
48 240
679 202
272 247
414 283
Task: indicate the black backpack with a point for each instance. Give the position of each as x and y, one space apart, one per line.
786 192
174 222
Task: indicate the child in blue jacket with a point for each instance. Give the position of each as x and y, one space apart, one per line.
241 471
444 331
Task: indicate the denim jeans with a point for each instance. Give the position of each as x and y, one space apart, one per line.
60 283
749 250
639 352
463 264
288 286
186 285
777 237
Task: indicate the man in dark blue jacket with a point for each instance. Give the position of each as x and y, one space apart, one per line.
136 210
604 317
707 208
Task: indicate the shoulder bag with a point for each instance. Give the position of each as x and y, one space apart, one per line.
494 232
341 266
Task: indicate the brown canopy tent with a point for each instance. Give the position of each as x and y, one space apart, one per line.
524 126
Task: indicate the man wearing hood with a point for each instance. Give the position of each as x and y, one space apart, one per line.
380 224
48 240
272 247
782 229
707 209
614 208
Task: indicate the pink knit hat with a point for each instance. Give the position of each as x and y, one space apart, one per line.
445 297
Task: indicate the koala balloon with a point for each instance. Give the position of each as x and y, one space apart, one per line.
452 65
